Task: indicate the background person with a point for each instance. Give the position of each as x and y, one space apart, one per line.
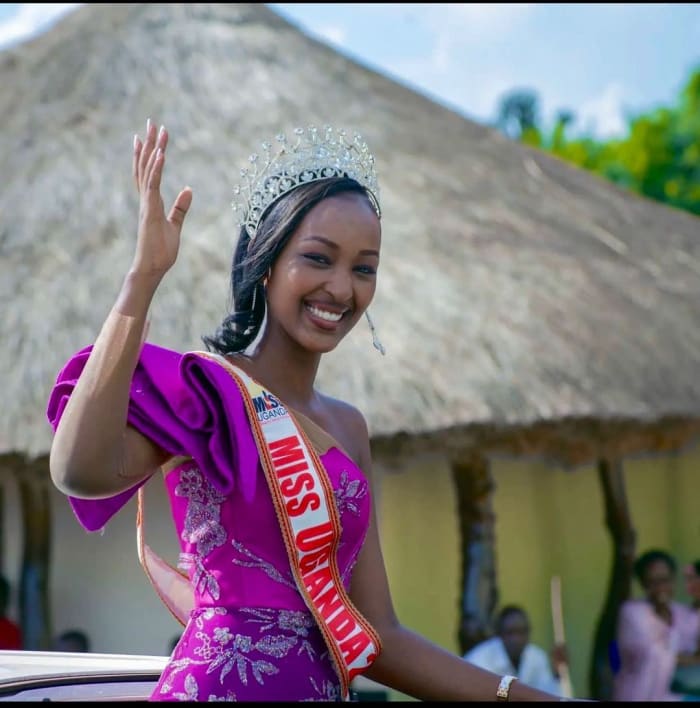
686 677
72 640
691 575
10 631
510 651
652 632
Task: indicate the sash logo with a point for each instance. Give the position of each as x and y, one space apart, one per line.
267 406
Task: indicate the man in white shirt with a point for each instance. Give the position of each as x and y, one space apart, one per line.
510 651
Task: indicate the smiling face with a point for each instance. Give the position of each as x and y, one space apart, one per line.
325 277
658 582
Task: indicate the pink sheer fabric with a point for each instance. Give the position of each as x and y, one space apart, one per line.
648 647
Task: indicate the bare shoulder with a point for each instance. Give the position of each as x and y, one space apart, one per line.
350 428
350 416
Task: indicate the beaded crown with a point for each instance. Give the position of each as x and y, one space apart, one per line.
310 156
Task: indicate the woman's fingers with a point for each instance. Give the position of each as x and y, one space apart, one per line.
180 207
162 138
154 173
158 237
146 152
138 145
155 160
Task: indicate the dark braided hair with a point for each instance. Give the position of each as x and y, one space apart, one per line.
253 259
651 556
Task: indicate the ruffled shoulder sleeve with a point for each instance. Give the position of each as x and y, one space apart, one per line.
185 403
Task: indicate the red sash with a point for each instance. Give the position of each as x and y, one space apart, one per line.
305 506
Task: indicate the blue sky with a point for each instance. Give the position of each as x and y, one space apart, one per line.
603 61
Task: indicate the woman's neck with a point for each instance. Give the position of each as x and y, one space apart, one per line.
662 610
288 372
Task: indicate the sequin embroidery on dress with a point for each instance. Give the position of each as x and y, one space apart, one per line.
231 651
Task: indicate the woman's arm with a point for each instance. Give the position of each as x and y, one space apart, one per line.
409 662
94 452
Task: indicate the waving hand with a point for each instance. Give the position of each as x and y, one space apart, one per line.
158 238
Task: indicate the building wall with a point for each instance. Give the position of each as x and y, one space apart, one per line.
97 583
549 521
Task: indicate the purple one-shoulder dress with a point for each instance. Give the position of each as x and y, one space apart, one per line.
250 635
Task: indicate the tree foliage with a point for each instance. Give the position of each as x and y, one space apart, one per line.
659 157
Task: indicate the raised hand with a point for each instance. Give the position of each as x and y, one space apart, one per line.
158 238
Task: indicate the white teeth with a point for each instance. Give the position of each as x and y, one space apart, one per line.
324 314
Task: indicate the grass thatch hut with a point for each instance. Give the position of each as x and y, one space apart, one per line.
529 310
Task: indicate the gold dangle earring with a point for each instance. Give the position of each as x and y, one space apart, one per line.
375 339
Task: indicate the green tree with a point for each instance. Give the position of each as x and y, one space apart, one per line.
518 116
659 157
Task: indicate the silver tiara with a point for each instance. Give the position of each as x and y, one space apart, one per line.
312 155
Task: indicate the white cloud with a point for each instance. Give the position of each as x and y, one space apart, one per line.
30 19
476 16
332 33
458 33
491 17
453 25
604 114
451 36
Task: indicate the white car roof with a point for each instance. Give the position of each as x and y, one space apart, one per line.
30 664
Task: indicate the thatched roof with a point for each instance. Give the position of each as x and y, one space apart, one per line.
516 293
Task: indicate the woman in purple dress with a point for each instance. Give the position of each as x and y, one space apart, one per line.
282 590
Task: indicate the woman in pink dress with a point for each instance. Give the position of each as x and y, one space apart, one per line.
691 576
283 592
652 633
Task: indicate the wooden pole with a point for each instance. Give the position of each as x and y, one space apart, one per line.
619 523
479 593
559 639
34 606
